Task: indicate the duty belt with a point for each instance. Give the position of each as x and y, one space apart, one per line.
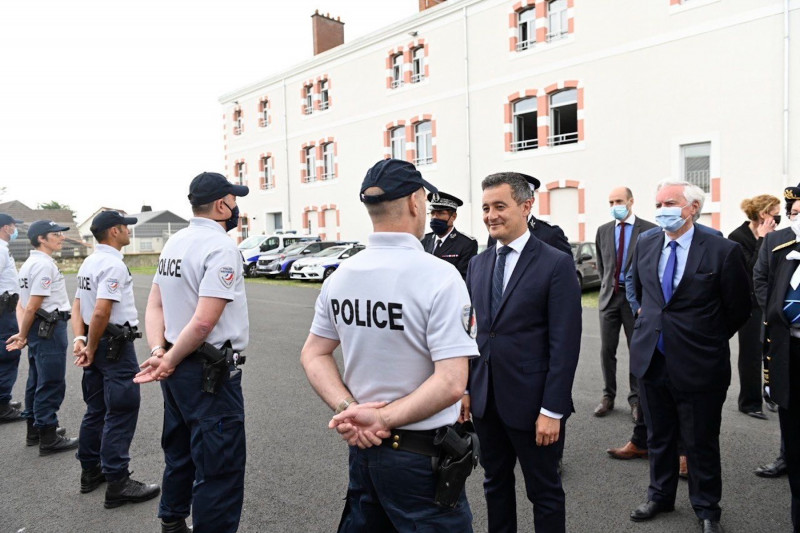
420 442
58 315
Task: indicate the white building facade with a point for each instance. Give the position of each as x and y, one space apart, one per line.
585 95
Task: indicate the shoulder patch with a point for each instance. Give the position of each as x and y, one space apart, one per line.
46 282
469 321
112 284
784 245
226 276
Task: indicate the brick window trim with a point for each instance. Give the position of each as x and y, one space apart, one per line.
264 104
407 52
540 23
319 211
543 111
238 120
262 182
410 136
236 165
544 202
319 168
316 95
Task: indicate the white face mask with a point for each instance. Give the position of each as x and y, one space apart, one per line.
795 225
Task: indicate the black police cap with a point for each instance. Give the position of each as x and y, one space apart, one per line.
43 227
210 186
791 194
533 182
397 179
109 219
444 201
6 219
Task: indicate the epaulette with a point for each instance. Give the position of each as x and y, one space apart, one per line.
784 245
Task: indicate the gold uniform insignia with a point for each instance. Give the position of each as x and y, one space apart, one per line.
784 245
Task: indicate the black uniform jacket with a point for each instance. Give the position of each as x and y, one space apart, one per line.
457 249
547 233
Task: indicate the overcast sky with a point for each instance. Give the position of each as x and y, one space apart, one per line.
114 103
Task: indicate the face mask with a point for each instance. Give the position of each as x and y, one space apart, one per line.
13 236
777 219
438 226
795 225
233 221
669 218
620 212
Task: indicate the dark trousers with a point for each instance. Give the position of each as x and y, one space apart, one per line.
392 491
694 417
9 361
204 450
790 432
616 315
112 409
501 446
750 364
47 368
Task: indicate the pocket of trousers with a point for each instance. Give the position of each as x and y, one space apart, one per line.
224 448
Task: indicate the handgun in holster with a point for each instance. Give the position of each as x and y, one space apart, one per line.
119 336
47 323
8 302
460 454
216 364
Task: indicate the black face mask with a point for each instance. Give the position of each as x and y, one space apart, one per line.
777 219
233 221
439 226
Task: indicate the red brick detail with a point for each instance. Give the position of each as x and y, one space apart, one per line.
715 220
715 190
674 2
572 184
581 231
542 110
570 4
544 202
544 208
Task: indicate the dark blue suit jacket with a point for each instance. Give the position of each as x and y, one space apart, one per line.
534 340
709 305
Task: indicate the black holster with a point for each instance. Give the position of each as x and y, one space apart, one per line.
47 323
460 453
216 363
118 337
8 302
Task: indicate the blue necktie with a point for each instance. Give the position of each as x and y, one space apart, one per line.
497 278
667 284
791 309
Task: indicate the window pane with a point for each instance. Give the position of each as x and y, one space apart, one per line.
564 117
697 164
424 143
569 96
399 143
527 15
525 106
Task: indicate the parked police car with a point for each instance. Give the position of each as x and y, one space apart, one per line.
277 264
254 246
322 265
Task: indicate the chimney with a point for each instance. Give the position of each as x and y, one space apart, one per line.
427 4
146 209
328 32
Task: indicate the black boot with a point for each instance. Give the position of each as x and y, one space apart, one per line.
91 478
9 413
178 526
127 490
32 438
51 442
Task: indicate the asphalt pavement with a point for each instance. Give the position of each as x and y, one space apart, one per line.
297 468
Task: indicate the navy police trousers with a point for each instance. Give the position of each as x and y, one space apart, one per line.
204 450
47 368
9 361
112 409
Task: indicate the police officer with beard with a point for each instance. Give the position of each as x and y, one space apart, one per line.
445 241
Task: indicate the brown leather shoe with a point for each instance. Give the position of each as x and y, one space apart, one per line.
606 405
629 451
683 469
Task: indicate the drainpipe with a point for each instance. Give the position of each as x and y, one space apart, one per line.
286 145
786 94
467 112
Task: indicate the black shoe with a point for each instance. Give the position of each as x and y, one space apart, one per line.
91 478
757 414
9 413
711 526
649 510
51 442
16 405
178 526
774 469
127 490
771 406
32 437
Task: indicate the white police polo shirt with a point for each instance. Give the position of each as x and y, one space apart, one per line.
396 311
104 275
39 276
202 261
8 271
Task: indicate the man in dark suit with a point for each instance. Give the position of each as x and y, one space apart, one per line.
615 241
528 308
695 294
445 241
545 232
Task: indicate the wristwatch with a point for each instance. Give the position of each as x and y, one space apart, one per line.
344 404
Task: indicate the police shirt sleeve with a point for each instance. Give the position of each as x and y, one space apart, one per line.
41 279
110 283
220 277
322 326
451 324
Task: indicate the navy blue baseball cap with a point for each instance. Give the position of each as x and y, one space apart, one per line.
397 179
43 227
8 219
210 186
109 219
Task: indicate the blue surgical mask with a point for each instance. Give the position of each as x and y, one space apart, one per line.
439 226
620 212
14 235
669 218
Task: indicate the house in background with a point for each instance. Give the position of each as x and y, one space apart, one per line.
84 227
74 246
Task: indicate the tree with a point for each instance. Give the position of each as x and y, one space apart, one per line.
52 204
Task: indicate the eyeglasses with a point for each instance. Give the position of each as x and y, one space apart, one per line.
57 233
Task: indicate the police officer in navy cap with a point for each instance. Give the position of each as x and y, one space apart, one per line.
9 295
445 241
197 327
544 231
105 324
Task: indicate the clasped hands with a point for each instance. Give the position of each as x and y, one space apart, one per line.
361 424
